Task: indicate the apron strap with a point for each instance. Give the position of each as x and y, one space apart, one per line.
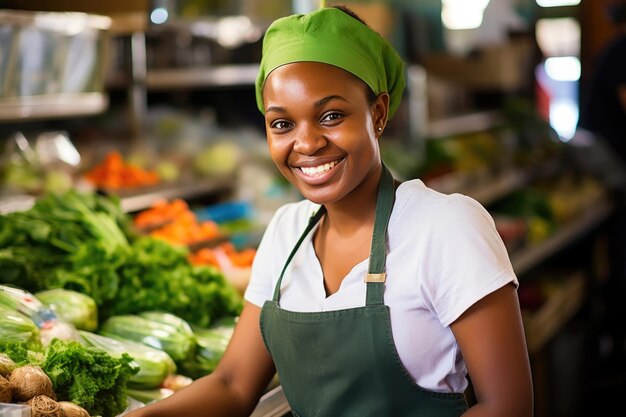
375 277
312 222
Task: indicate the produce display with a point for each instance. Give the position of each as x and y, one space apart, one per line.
79 286
65 371
159 330
175 223
114 173
531 214
214 256
83 242
154 365
71 306
211 344
49 165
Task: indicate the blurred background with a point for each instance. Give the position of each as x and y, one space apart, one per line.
520 104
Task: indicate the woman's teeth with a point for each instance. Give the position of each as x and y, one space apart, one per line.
320 169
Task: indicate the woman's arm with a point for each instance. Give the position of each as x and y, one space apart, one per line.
491 337
236 385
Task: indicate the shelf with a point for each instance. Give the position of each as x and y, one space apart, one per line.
135 200
138 198
529 257
464 124
218 76
486 191
52 106
558 309
272 404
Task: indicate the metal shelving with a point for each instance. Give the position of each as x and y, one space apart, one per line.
486 191
218 76
530 256
558 309
52 106
140 199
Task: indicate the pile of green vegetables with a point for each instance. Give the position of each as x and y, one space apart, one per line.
86 376
84 242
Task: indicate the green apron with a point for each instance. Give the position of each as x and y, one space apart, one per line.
344 363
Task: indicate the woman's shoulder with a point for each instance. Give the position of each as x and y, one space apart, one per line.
415 197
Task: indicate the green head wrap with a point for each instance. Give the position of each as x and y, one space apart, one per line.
331 36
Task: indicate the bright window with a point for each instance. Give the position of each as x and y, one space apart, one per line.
463 14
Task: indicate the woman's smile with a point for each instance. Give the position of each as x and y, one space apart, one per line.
315 174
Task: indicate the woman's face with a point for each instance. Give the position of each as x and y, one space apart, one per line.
321 129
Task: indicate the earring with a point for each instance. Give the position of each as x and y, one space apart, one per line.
380 129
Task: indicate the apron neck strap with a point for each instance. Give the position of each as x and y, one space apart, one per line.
312 222
375 277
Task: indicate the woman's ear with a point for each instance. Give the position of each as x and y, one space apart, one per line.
380 110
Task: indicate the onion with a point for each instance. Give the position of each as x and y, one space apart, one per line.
72 410
30 381
6 365
44 406
6 392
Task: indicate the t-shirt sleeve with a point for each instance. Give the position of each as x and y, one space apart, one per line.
468 259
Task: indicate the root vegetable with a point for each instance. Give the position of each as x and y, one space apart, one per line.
44 406
72 410
6 365
30 381
6 393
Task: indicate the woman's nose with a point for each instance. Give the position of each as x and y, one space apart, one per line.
309 139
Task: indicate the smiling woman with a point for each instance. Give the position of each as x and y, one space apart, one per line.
368 297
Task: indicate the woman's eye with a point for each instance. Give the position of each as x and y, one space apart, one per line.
331 117
280 125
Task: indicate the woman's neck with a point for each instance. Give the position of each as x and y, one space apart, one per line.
356 210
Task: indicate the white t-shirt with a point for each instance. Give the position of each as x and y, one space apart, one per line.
444 254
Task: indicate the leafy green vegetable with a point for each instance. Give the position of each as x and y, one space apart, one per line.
157 276
22 353
154 364
89 377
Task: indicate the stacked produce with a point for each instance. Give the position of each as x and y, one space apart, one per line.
115 173
175 223
27 319
207 232
241 258
211 344
532 214
83 242
85 381
75 260
71 306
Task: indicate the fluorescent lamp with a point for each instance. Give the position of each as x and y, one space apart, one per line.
563 68
557 3
463 14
